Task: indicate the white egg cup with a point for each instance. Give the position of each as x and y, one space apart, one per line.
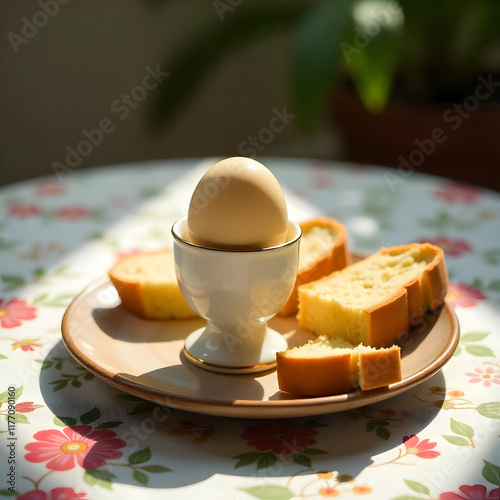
237 292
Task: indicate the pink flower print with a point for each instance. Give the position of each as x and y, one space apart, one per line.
487 377
24 211
77 445
15 311
55 494
27 407
459 193
475 492
73 213
26 344
420 448
463 295
49 189
452 248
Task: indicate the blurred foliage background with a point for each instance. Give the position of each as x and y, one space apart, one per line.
362 80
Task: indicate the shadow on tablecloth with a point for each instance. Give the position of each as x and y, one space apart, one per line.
167 448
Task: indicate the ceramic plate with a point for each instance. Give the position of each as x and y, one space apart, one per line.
145 358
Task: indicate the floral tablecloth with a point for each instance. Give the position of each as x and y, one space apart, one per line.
67 435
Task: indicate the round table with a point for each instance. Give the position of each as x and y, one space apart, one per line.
68 435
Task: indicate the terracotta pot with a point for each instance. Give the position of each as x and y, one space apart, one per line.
460 140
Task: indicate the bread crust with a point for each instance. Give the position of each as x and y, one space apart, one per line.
336 259
138 297
315 376
392 317
379 368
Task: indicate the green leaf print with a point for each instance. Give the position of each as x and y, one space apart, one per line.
461 429
90 416
457 440
140 476
491 473
489 410
12 282
247 458
97 477
479 350
140 456
301 459
418 487
65 421
270 492
468 341
4 396
474 336
492 256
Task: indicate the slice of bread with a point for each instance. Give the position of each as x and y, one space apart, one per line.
375 301
148 286
323 249
333 366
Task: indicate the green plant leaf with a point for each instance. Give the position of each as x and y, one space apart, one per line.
8 493
156 468
370 426
457 440
490 410
269 492
474 336
316 58
3 356
192 65
140 456
97 477
479 350
461 429
491 473
371 59
418 487
301 459
65 421
140 476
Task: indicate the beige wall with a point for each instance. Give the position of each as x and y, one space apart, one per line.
68 75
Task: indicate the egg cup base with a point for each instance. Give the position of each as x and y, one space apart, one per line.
198 349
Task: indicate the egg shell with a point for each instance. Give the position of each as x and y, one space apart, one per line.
238 205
